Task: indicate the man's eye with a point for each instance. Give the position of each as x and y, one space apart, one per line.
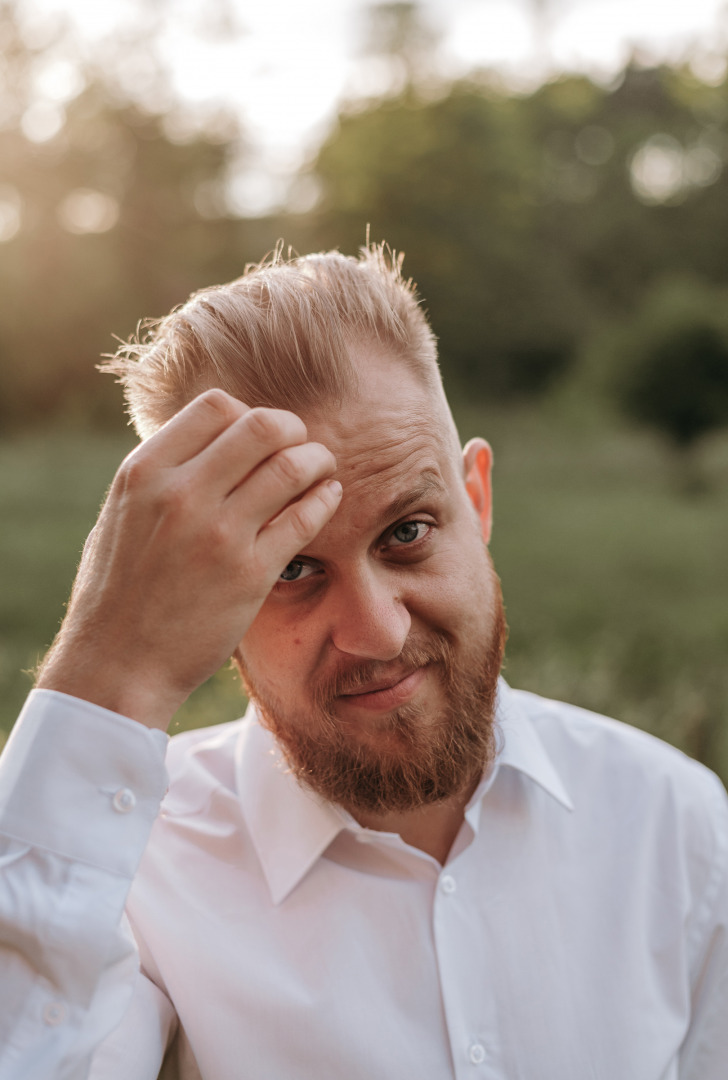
296 571
408 532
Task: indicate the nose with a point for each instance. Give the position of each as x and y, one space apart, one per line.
368 618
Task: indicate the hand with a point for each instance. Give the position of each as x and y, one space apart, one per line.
199 522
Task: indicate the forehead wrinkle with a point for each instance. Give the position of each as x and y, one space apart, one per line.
383 452
388 420
381 455
388 476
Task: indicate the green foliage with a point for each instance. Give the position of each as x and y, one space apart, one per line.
671 369
680 384
531 221
615 587
51 487
440 180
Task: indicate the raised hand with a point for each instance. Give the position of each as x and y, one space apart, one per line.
199 522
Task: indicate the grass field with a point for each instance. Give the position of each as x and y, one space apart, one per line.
616 586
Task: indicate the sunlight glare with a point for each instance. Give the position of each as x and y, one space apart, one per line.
60 80
604 33
286 66
489 34
281 88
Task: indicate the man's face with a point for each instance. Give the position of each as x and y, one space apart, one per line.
375 659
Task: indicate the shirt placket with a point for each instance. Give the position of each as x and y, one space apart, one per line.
468 993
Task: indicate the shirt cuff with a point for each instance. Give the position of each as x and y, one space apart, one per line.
81 781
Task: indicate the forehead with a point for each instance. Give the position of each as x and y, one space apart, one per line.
392 433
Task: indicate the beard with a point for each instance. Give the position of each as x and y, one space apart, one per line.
416 758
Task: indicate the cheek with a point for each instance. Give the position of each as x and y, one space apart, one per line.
459 588
276 651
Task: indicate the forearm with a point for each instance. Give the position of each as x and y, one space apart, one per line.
79 791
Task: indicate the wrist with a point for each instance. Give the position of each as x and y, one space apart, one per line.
116 689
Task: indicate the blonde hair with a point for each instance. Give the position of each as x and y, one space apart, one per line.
285 335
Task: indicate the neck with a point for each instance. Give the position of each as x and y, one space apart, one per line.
432 829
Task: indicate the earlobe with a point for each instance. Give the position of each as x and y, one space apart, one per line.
477 462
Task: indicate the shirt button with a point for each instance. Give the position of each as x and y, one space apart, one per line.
124 800
447 883
54 1013
477 1054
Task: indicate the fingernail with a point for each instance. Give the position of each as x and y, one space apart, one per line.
335 487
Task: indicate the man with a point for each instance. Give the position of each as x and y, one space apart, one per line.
395 865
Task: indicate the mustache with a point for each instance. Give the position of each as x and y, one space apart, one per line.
352 676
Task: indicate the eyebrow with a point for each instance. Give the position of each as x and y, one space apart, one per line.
430 483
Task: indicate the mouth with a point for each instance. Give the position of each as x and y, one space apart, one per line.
386 694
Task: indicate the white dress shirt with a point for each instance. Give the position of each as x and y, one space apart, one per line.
577 931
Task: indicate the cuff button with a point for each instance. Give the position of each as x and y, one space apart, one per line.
124 800
54 1013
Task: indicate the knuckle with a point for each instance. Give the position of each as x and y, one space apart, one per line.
302 521
263 424
217 537
218 402
172 499
133 472
274 425
288 468
294 424
328 460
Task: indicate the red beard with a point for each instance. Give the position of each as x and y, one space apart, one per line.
420 759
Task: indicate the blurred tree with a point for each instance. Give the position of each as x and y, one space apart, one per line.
671 366
399 33
437 170
109 211
530 220
679 384
444 180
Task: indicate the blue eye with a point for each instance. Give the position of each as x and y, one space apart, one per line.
296 571
408 532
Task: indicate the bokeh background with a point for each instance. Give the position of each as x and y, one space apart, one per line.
556 172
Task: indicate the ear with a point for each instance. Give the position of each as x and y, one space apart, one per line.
477 462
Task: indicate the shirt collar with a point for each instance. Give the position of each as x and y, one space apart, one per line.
291 827
521 747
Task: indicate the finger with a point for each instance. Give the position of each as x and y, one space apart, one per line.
279 480
299 524
244 445
192 429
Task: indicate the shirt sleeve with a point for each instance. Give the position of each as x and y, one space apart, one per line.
704 1054
80 788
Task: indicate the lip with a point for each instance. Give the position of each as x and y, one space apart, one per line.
387 694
